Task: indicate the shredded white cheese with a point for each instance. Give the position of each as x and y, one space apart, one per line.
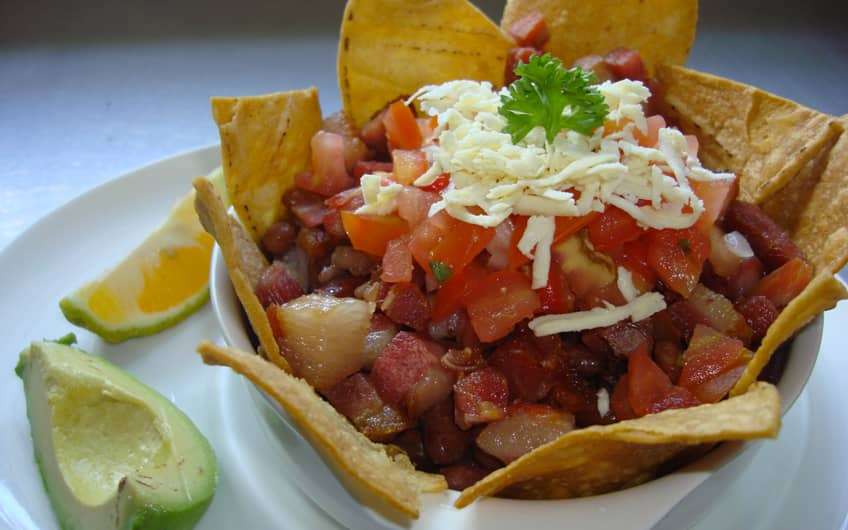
380 195
637 309
539 234
624 281
603 402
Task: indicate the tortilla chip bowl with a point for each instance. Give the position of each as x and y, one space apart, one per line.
682 495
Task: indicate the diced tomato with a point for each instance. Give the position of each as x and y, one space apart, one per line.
407 305
650 389
786 282
712 309
556 297
439 184
716 388
277 285
759 313
716 196
770 242
620 402
444 241
444 442
408 165
530 30
514 57
371 233
404 362
709 355
633 256
358 400
364 167
329 173
651 136
626 64
401 128
613 228
480 397
397 261
530 377
373 133
668 356
526 427
500 301
677 256
746 278
600 297
414 204
454 293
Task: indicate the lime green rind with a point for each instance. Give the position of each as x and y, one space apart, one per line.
79 316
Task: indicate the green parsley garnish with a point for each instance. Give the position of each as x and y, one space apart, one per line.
442 271
68 339
547 95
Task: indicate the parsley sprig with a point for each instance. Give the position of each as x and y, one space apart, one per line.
548 95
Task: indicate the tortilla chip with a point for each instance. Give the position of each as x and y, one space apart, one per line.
245 263
606 458
661 30
264 144
391 48
763 138
813 206
372 473
822 293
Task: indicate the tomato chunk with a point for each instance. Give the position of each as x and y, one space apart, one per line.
500 301
447 243
651 136
626 64
414 204
401 127
612 228
480 397
372 233
397 261
454 293
677 256
556 297
649 388
620 402
716 196
707 307
408 165
633 256
786 282
709 355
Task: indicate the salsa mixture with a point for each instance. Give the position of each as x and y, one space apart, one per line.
474 279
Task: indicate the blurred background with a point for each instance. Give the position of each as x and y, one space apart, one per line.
90 89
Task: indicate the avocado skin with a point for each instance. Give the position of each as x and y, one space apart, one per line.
148 517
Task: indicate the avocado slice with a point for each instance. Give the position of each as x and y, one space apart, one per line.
113 453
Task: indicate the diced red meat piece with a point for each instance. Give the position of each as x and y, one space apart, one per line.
412 443
279 238
585 361
624 337
526 427
444 442
514 57
461 476
759 313
380 334
665 328
597 65
333 225
329 172
358 400
522 364
373 133
530 30
347 200
480 397
626 64
407 305
403 363
770 242
307 207
579 397
595 341
277 286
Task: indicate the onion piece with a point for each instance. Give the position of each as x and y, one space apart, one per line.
322 337
527 427
737 244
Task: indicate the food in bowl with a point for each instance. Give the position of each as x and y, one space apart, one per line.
548 289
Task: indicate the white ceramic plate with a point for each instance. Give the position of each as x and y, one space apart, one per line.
794 482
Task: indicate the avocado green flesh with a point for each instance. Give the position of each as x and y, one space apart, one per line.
112 452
